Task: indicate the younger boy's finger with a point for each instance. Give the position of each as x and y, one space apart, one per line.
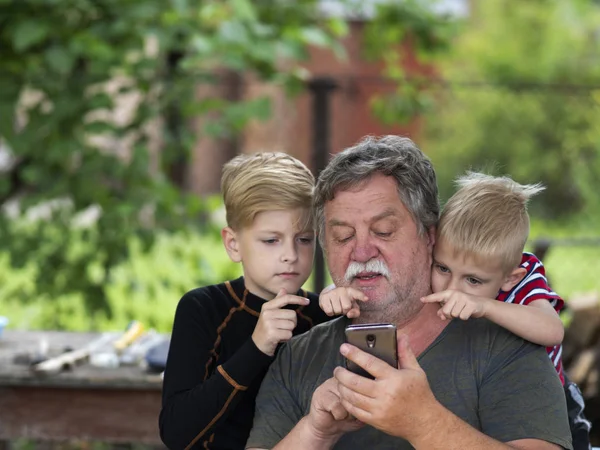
346 304
438 297
337 306
325 305
354 312
357 294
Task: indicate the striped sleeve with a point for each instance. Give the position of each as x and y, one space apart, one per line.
534 286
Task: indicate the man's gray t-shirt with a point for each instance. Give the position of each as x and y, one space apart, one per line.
495 381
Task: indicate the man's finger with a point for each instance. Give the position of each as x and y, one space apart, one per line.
371 364
360 415
280 302
338 411
406 357
357 399
354 382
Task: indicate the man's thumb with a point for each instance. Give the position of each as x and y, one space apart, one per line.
406 357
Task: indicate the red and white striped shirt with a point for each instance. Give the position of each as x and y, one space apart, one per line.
534 286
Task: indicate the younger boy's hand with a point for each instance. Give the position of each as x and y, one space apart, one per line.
458 305
275 324
342 300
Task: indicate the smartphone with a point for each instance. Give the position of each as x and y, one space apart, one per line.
377 339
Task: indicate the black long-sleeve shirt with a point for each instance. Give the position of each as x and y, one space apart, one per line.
214 369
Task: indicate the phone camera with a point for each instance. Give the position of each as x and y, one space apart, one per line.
370 340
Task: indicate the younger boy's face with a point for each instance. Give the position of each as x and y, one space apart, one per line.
275 254
460 272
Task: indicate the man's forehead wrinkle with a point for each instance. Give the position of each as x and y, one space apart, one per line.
379 209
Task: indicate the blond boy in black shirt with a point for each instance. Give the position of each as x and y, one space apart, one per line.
225 336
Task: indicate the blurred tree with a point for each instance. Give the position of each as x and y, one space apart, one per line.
81 176
523 98
74 169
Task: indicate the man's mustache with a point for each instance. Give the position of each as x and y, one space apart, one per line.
371 266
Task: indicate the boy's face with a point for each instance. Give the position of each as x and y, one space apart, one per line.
274 253
460 272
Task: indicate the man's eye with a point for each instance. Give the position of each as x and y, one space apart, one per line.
473 281
382 234
341 240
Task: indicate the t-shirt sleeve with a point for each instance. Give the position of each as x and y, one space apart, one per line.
521 397
534 285
277 408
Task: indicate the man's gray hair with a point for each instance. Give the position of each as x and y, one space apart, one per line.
390 155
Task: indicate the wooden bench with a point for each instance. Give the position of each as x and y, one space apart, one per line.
116 405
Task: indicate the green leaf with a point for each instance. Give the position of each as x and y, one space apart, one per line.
338 27
59 59
244 10
29 33
315 36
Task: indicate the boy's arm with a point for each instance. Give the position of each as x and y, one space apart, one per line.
195 401
531 299
537 322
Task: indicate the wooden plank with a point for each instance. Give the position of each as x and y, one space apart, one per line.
15 343
55 414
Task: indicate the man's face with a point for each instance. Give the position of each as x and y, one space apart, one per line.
372 244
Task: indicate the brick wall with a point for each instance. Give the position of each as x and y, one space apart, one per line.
289 129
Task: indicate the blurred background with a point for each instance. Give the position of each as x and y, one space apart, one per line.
116 117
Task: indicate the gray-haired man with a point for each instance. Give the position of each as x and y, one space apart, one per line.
460 384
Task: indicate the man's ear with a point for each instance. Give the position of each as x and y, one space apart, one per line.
513 278
431 235
231 243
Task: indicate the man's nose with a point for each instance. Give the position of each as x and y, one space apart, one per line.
364 249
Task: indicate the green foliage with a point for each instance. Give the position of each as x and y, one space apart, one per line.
145 287
65 67
518 102
408 32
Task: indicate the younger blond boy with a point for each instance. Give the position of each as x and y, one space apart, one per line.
226 335
480 270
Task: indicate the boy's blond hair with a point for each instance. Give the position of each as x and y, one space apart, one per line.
266 181
487 218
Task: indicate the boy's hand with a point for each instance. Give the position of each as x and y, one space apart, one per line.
458 305
342 300
275 324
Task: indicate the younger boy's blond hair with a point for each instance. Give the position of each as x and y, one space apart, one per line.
487 218
265 181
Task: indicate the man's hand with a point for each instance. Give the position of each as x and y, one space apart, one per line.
398 402
458 305
275 324
341 300
328 419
